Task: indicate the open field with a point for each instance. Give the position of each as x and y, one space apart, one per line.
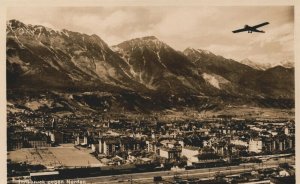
234 111
257 112
55 157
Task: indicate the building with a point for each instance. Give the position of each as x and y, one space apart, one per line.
151 146
130 143
80 140
239 142
255 145
15 143
170 153
38 140
57 137
110 145
289 130
191 153
168 143
220 147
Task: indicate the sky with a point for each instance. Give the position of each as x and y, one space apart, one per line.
200 27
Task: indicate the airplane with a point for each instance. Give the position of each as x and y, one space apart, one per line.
251 29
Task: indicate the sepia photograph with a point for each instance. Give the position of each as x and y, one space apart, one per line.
150 94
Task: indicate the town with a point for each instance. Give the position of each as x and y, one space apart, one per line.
94 146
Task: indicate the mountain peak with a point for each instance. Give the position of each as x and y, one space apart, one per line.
19 28
279 68
149 38
287 63
265 66
145 39
191 50
143 42
255 65
246 60
14 24
15 21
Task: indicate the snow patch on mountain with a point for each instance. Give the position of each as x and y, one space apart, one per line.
18 61
215 80
150 84
159 59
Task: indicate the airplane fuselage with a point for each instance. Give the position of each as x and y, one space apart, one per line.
252 29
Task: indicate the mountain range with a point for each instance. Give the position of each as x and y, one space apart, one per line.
142 72
260 66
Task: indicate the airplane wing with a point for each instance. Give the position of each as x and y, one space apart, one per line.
239 30
260 25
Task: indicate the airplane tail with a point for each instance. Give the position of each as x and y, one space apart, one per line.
259 31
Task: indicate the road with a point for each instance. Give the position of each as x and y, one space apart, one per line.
196 173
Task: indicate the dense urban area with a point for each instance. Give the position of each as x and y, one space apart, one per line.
44 147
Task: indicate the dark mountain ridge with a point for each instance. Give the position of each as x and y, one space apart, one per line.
142 73
62 59
259 82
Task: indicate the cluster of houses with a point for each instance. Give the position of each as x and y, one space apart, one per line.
192 141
